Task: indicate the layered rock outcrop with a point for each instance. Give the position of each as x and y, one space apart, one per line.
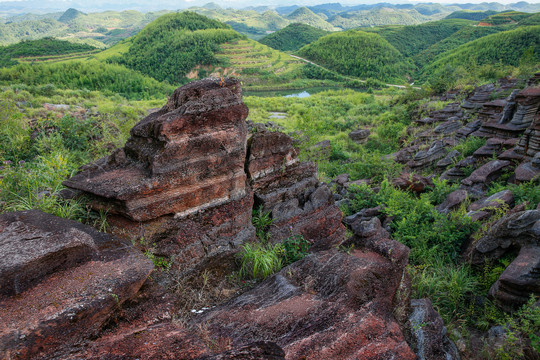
186 181
290 191
521 231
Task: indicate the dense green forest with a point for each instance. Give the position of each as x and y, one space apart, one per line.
90 75
460 37
475 15
359 54
483 56
293 37
410 40
174 44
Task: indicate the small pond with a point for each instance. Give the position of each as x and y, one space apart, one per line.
301 93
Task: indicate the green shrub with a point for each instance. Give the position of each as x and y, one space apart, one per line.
448 286
526 192
260 260
262 222
470 145
522 331
440 190
294 248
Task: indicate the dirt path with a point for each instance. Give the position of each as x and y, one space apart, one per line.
348 77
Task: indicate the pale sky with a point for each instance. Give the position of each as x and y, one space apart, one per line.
144 5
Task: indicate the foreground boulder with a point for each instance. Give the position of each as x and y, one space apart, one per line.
68 280
330 305
519 230
429 333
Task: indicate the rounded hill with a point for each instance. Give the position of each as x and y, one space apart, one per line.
360 54
293 37
172 45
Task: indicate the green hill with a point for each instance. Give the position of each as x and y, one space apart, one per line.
293 37
172 45
70 15
29 30
410 40
505 48
504 18
475 15
305 16
166 50
534 19
360 54
460 37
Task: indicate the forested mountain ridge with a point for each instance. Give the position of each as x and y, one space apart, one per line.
109 27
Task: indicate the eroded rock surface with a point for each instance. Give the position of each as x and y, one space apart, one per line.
290 191
187 181
80 280
330 305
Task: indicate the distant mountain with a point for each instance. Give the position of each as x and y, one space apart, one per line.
212 6
70 15
376 17
476 15
305 16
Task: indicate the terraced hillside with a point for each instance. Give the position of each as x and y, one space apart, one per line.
58 58
256 64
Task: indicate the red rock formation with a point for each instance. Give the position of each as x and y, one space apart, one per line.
288 189
69 279
181 181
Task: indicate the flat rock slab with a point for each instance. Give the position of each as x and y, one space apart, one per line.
330 305
487 173
495 201
70 305
34 244
519 280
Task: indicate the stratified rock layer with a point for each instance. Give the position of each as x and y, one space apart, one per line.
69 279
186 157
186 182
516 230
290 191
